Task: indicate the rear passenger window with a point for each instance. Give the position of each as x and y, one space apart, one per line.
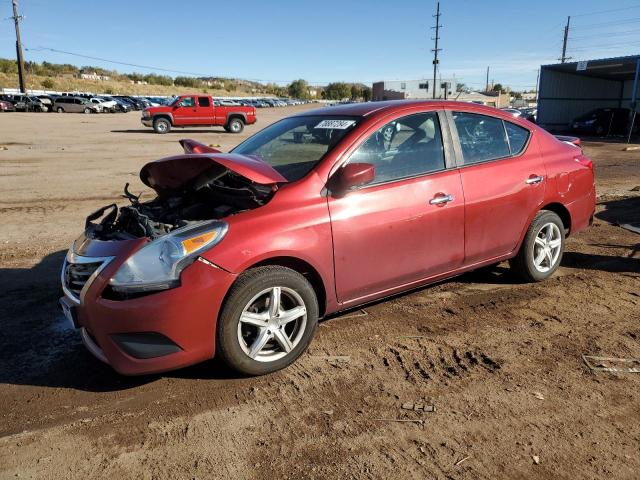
518 137
482 138
204 101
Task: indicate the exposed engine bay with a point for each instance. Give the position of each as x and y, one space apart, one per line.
207 197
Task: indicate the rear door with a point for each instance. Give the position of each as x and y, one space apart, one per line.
503 179
204 111
408 224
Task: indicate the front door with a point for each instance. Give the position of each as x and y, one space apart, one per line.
185 112
503 178
408 224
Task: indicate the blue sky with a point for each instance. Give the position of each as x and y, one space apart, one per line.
348 40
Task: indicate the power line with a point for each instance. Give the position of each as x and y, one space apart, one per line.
606 24
608 34
167 70
606 11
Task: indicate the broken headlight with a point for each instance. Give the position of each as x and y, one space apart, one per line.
157 265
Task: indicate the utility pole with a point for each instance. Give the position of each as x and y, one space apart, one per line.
486 88
564 57
436 49
16 19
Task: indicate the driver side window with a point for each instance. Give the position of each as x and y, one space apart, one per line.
405 147
187 102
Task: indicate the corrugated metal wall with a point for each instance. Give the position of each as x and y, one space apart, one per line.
564 96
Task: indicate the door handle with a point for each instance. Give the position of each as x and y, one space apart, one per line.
441 199
533 179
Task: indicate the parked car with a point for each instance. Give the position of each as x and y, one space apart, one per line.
47 101
6 106
602 121
27 103
103 104
121 105
240 254
198 110
68 104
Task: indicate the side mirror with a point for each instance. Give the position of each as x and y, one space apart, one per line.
351 176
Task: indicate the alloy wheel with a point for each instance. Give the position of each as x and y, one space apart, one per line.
547 247
272 324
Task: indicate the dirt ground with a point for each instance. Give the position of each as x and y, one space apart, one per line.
500 361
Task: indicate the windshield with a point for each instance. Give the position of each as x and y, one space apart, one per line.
171 101
293 146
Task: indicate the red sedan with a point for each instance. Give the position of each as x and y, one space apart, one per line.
240 254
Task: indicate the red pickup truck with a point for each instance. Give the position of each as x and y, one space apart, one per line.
198 111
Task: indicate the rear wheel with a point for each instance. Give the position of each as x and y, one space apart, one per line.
60 110
161 125
541 251
235 125
268 320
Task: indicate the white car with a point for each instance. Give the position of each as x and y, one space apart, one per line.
103 104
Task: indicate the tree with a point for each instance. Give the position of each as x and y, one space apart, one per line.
461 87
366 94
356 91
498 88
298 89
337 91
48 84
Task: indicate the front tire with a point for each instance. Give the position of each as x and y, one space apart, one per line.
60 110
268 320
161 125
541 251
87 110
235 125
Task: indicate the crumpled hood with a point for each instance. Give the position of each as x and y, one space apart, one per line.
175 173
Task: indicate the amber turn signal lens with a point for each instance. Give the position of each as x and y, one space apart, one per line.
194 243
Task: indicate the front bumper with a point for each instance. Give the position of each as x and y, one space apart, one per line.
147 122
154 333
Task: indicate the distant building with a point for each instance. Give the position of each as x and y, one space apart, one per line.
94 76
490 99
412 89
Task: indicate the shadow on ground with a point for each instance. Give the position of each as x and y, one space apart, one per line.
39 347
173 131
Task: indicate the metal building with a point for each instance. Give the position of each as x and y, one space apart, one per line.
568 90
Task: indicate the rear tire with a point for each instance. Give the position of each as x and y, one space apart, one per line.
541 251
161 125
266 339
235 125
60 110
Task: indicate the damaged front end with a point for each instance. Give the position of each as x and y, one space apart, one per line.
191 189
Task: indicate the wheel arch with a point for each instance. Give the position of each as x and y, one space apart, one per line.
162 115
305 269
563 212
241 115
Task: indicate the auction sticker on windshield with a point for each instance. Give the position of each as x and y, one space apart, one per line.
337 124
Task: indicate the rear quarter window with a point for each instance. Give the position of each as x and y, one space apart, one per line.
518 137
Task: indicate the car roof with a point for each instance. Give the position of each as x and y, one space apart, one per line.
389 106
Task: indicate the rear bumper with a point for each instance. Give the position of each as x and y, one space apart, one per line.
157 332
582 211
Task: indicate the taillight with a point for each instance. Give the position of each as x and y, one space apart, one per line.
584 161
